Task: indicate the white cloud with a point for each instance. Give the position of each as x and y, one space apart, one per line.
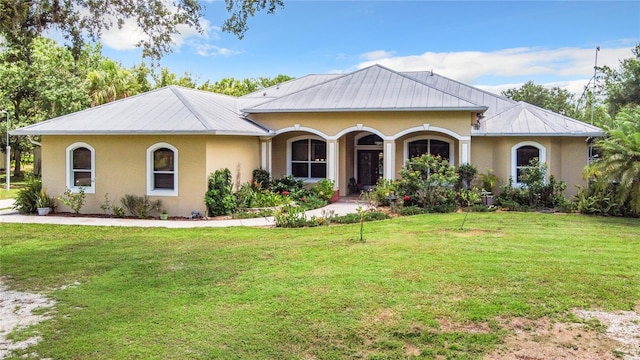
376 55
127 37
205 49
569 67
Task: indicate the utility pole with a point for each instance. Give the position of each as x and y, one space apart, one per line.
595 74
7 165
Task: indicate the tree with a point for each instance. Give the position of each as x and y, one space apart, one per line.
555 99
166 78
236 87
50 85
622 86
620 161
110 82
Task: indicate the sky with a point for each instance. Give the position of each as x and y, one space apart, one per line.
495 45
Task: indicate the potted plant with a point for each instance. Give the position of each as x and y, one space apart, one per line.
489 181
164 215
44 203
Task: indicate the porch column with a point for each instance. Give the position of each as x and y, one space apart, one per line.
265 154
389 154
333 162
465 151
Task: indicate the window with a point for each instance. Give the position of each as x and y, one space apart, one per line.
435 146
594 153
521 156
80 167
162 170
309 158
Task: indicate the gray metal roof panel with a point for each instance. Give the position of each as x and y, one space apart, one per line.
375 88
526 119
495 103
170 109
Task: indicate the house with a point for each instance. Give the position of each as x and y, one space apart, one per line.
361 125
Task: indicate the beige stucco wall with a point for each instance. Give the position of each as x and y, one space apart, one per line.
121 166
565 157
386 123
239 154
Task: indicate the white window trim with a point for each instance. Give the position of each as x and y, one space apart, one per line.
161 192
514 158
452 158
69 168
290 156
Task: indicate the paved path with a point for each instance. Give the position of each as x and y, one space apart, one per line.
8 215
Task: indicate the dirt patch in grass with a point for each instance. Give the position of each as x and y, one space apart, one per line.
18 310
549 339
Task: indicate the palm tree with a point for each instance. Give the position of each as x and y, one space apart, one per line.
620 161
111 82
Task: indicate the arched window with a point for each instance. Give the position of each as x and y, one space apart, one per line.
81 167
434 145
521 156
307 157
162 170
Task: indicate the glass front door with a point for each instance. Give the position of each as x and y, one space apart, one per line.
370 167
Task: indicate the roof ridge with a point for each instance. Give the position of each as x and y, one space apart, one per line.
429 85
465 84
421 83
201 118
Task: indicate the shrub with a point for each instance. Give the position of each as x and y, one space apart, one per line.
290 185
26 198
429 182
323 189
140 206
219 197
73 200
261 179
384 188
410 210
534 193
290 216
466 174
600 198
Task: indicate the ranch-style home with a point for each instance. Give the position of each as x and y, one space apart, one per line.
358 126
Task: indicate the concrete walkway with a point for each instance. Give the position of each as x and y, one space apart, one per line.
8 215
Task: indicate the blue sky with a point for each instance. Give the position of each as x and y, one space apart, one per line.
495 45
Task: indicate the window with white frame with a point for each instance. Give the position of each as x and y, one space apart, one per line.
162 170
80 167
308 158
521 156
419 146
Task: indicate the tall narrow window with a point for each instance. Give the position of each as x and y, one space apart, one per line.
309 158
521 156
162 179
524 156
80 167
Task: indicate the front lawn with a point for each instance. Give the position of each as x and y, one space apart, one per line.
317 293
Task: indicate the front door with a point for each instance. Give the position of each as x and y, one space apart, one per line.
370 165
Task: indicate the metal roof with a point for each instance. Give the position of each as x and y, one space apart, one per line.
168 110
282 89
495 103
375 88
178 110
524 119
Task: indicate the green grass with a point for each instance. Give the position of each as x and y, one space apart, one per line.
317 292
